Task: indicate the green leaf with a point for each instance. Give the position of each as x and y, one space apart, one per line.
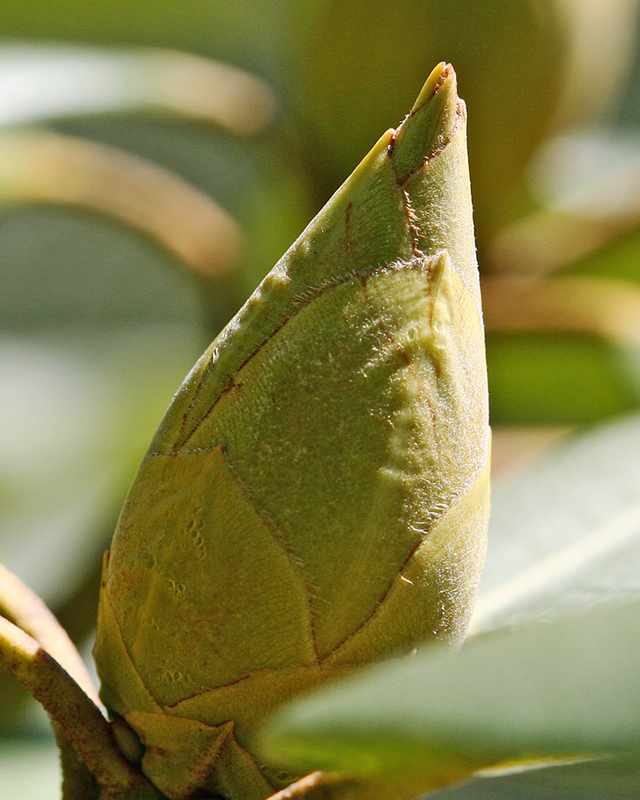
613 778
550 378
566 534
562 688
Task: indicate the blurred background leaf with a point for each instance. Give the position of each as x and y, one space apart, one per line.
565 534
560 689
614 778
30 770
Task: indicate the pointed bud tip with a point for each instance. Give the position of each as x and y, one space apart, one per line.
441 74
430 122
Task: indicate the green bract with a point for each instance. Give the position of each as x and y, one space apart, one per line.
317 494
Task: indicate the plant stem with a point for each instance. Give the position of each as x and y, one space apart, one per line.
74 714
21 606
315 786
78 783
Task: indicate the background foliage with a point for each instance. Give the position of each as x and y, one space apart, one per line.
103 310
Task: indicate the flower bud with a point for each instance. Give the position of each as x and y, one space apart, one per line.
316 497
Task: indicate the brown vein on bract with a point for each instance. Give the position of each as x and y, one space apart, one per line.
294 560
231 384
241 679
347 227
460 106
414 228
406 358
412 217
432 523
299 302
186 413
381 600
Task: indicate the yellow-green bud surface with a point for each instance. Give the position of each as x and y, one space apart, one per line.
317 495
